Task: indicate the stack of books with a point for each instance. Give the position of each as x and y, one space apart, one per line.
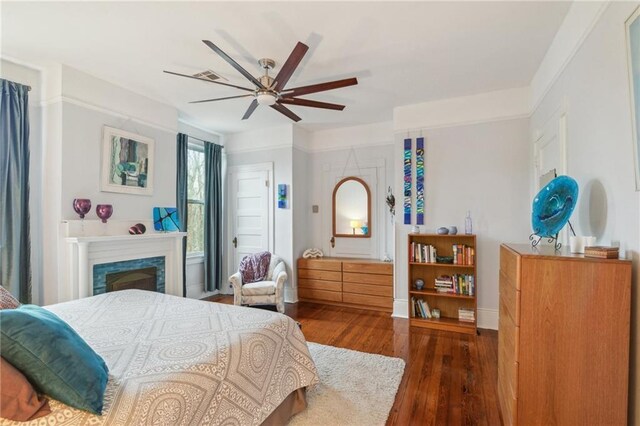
463 254
457 284
422 253
465 314
602 252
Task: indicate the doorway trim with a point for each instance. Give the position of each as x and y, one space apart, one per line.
257 167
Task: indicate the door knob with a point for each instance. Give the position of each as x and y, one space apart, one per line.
235 242
333 242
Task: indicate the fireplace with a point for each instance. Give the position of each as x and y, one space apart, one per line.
141 279
143 274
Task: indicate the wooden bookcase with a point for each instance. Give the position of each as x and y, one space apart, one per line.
447 303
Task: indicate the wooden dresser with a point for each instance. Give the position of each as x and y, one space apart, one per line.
563 342
361 283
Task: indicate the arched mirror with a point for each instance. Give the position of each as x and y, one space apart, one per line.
352 209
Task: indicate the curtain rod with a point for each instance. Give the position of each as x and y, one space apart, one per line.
202 140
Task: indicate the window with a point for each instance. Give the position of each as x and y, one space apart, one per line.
195 199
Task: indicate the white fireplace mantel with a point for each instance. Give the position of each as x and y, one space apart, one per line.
92 243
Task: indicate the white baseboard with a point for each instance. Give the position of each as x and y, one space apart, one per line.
487 318
400 308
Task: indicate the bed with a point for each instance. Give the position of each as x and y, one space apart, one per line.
177 361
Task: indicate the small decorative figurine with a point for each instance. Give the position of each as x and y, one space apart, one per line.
138 229
312 253
419 284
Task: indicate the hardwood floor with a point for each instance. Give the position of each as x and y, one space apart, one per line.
450 378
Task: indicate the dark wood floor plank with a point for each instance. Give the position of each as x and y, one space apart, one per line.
449 379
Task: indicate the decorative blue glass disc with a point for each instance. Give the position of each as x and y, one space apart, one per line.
553 205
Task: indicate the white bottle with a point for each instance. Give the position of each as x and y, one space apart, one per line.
467 224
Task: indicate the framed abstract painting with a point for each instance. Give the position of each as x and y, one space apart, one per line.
633 60
127 162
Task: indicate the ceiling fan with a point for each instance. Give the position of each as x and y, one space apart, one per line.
271 91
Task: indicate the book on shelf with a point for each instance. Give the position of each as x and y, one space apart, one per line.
463 254
462 284
466 314
422 253
602 252
420 308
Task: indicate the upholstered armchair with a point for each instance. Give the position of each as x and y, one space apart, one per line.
267 292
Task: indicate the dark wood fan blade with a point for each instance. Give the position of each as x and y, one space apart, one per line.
208 81
286 111
321 87
310 103
290 65
234 64
219 99
250 110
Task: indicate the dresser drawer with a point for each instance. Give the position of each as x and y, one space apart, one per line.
325 265
508 405
360 299
320 285
510 265
372 290
315 274
510 298
508 334
373 279
321 295
368 268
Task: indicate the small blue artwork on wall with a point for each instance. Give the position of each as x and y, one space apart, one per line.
165 219
282 196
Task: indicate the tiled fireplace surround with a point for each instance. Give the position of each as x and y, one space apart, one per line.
93 250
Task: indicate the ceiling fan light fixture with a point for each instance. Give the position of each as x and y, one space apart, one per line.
265 98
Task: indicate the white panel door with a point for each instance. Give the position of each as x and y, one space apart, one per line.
251 206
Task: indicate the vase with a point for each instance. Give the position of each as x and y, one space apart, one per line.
104 211
82 206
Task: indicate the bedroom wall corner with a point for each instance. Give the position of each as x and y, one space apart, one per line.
594 86
275 145
477 159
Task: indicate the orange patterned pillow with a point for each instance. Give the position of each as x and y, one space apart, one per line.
18 400
7 301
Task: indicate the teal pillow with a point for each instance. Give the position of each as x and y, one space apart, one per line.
53 357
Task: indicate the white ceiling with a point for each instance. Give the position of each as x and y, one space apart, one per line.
401 53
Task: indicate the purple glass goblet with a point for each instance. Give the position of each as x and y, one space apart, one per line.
82 206
104 211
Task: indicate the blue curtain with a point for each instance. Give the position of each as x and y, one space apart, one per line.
15 255
181 199
212 216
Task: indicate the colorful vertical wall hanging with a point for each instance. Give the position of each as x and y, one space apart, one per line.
420 181
407 181
282 196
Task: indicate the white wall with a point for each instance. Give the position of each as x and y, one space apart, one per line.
81 159
477 159
595 89
299 198
239 152
320 191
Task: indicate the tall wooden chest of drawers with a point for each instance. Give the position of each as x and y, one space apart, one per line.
563 341
361 283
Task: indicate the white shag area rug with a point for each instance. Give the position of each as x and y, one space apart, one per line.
356 388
